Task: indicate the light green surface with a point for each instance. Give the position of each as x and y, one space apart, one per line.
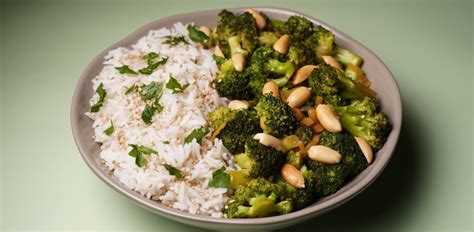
45 45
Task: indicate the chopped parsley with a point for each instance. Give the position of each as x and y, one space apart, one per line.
174 85
151 94
139 152
196 35
197 134
175 40
101 92
109 131
125 70
152 66
220 179
150 56
173 171
154 90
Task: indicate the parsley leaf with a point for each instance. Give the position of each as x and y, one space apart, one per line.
152 90
196 35
109 131
150 56
152 66
218 59
175 40
102 93
139 152
125 70
148 113
173 171
220 179
131 89
174 85
197 134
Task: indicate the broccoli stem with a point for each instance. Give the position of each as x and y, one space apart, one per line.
282 68
346 57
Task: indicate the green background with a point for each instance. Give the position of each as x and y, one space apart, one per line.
45 45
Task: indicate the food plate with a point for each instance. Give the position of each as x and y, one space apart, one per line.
382 82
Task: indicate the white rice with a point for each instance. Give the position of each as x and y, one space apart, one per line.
182 113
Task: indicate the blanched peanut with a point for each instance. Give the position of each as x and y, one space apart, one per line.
237 104
206 30
303 73
366 149
332 62
269 141
292 175
238 60
282 44
261 22
324 154
327 118
218 52
271 87
298 97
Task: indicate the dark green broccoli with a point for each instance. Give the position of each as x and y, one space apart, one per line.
326 81
267 38
276 117
299 28
259 198
363 118
268 62
260 160
240 126
231 83
236 33
300 54
295 158
302 197
277 26
330 177
321 42
305 134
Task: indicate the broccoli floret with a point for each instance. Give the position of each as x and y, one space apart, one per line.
267 38
363 118
276 117
236 33
277 26
330 177
259 198
268 62
299 28
305 134
321 42
260 160
239 127
220 116
295 158
300 54
326 81
231 83
346 57
302 197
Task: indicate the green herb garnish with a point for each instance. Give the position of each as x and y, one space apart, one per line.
174 85
196 35
220 179
175 40
152 66
125 70
166 142
173 171
197 134
131 89
101 92
154 90
150 56
139 152
109 131
218 59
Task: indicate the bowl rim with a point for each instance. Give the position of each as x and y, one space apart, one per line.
174 214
